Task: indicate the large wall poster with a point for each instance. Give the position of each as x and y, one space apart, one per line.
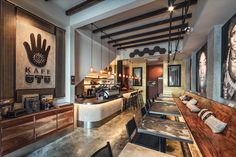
201 71
35 57
228 76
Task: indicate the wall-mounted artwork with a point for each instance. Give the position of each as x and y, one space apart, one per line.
228 76
137 74
35 57
174 75
201 72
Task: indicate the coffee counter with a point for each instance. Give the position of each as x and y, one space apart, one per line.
24 130
94 113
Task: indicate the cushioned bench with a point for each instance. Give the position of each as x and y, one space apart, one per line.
209 143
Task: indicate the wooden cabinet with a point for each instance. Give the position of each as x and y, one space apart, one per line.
19 132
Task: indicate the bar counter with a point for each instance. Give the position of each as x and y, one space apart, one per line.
93 112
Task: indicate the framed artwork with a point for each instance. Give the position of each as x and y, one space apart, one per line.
174 75
228 60
35 57
201 72
137 74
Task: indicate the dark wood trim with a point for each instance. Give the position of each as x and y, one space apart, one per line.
60 71
165 21
143 16
149 33
149 43
84 5
7 50
150 38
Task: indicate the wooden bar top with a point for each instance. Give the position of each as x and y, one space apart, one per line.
209 143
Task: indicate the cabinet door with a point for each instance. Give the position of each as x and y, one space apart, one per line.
17 133
7 50
60 63
45 124
65 118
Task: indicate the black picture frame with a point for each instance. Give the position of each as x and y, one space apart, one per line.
201 67
174 75
228 79
137 74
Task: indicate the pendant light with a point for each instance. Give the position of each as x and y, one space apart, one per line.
91 53
101 55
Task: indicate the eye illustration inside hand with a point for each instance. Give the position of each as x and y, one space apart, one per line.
37 53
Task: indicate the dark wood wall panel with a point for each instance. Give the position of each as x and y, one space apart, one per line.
7 50
60 63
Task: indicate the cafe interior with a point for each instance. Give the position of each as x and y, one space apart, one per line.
118 78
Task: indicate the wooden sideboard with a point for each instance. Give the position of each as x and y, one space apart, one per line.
211 144
21 131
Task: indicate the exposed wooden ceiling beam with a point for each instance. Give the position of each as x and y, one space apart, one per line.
149 43
82 6
143 16
178 18
150 38
148 33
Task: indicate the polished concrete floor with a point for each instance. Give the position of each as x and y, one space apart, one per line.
84 142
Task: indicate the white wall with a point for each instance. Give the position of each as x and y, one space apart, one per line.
83 55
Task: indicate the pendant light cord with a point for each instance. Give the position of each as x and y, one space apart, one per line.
101 51
91 61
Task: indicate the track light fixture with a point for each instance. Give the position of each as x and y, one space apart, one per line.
171 7
188 30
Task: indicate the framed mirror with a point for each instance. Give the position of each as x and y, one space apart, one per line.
174 75
137 74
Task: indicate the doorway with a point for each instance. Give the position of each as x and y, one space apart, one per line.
154 80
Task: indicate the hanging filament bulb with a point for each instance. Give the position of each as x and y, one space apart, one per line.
91 69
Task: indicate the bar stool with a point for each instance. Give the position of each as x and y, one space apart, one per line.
140 99
134 102
129 101
125 103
